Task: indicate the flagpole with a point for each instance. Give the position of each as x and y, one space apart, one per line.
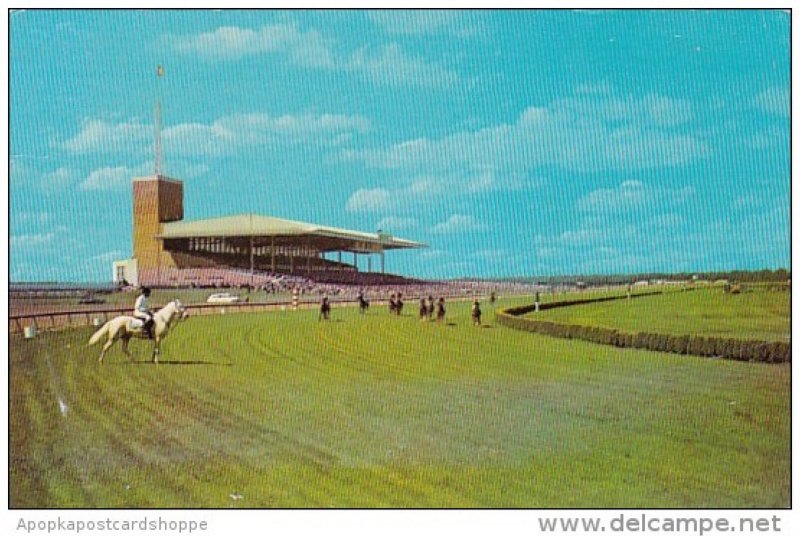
158 165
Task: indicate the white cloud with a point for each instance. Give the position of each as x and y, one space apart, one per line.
422 21
423 190
108 257
632 195
255 127
388 64
31 240
197 138
457 223
368 200
759 200
32 217
112 178
60 178
579 134
100 136
394 223
775 100
191 171
36 240
230 42
18 172
220 137
403 198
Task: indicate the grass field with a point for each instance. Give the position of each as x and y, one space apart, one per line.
280 410
758 314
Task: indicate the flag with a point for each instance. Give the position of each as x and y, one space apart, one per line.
160 71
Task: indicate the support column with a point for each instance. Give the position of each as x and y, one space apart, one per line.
308 259
252 272
158 263
272 253
369 263
383 271
291 260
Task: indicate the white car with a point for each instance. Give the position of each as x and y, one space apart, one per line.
223 297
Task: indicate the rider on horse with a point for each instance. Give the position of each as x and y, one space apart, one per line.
363 304
143 312
325 309
476 313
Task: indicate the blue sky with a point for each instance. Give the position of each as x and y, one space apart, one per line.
514 143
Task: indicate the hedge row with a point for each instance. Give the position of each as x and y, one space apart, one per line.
525 309
737 349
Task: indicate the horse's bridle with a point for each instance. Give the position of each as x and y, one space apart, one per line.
181 309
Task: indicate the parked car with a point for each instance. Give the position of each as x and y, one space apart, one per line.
223 297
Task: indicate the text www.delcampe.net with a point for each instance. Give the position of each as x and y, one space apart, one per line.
668 524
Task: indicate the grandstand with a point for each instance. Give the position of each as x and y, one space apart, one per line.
243 250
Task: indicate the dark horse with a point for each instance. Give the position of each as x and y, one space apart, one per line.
324 309
363 304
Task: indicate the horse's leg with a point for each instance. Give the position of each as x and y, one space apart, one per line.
156 350
125 340
106 346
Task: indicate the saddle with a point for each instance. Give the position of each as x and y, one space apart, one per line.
138 324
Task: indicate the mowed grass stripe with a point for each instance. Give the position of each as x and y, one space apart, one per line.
383 411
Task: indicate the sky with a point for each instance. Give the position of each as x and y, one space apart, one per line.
512 143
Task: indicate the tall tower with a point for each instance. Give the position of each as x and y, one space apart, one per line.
156 201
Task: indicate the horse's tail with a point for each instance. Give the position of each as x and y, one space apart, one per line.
99 334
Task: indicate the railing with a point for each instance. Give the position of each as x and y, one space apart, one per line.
79 318
65 319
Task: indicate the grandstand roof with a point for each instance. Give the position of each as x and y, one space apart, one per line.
262 227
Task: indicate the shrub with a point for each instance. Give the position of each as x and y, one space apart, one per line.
678 344
748 351
742 350
696 345
734 349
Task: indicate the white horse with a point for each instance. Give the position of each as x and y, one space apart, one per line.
126 327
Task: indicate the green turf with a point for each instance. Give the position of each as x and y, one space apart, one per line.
380 411
755 314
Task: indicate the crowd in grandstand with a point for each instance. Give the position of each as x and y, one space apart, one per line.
350 286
